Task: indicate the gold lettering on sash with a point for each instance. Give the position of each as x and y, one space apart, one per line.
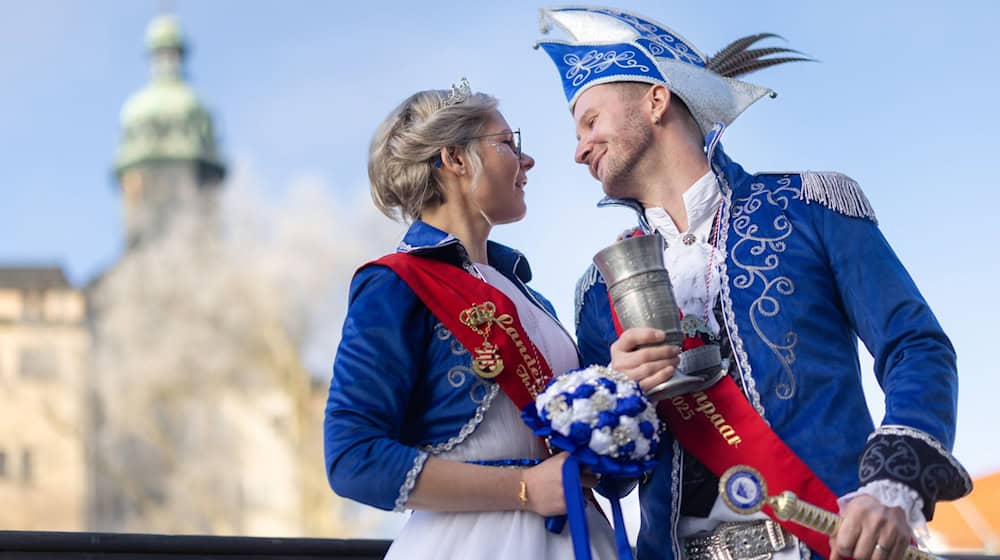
528 370
682 407
705 406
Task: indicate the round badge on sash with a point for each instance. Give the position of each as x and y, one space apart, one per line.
743 489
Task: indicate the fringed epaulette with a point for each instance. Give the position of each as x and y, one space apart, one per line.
587 281
838 192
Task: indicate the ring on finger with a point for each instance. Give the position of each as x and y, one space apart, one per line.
880 548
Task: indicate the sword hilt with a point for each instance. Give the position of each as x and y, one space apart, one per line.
788 507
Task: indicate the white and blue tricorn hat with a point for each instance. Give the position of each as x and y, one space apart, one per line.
610 45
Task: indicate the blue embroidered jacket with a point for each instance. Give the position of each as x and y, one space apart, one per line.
807 272
402 385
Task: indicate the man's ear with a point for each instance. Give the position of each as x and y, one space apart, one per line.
658 98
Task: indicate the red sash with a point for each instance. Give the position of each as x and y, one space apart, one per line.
482 318
720 428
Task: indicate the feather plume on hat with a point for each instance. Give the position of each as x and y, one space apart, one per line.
738 59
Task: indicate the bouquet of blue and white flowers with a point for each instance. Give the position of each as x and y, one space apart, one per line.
606 423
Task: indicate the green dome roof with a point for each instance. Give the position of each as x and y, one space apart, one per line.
165 121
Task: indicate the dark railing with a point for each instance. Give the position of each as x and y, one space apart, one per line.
17 545
36 545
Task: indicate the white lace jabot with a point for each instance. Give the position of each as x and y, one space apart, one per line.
689 253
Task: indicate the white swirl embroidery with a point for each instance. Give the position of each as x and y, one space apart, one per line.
772 244
740 354
457 375
436 449
597 62
442 333
480 387
660 40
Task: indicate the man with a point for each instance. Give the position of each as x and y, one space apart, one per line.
783 271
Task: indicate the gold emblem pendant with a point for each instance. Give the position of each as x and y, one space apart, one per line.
486 361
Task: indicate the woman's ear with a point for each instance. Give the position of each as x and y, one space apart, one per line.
452 159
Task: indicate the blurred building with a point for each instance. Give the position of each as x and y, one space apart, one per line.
102 427
235 450
44 344
971 524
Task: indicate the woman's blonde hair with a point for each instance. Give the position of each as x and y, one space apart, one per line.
405 146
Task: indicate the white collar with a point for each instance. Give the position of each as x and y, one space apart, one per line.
701 200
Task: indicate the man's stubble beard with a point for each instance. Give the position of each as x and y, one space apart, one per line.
631 144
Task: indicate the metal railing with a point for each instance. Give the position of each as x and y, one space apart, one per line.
35 545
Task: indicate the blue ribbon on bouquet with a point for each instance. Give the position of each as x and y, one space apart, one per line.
621 476
573 490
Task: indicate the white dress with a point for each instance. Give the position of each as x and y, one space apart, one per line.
502 434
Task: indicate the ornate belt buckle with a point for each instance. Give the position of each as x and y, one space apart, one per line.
776 535
748 541
756 540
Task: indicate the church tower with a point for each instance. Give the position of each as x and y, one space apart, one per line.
204 418
168 158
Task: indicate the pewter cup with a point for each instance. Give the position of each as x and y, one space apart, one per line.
642 296
639 285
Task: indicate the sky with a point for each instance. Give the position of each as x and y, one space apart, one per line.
903 99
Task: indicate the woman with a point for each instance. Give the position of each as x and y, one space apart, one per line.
414 419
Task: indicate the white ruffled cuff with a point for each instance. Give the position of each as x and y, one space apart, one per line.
895 494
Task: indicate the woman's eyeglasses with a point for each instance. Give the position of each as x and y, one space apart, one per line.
515 143
515 134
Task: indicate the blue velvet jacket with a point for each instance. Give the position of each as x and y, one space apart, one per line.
807 272
402 385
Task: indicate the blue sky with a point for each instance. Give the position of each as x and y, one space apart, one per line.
903 100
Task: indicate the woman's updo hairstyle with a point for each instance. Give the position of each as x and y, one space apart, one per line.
403 151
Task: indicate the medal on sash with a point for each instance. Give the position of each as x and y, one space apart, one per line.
470 309
486 360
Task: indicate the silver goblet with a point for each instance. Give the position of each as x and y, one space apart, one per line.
642 296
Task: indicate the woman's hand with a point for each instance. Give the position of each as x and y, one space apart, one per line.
649 365
446 485
545 485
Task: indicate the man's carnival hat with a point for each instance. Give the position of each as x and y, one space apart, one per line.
616 46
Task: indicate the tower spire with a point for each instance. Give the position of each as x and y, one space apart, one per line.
168 151
166 47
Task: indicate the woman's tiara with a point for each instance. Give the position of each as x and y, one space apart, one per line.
459 93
